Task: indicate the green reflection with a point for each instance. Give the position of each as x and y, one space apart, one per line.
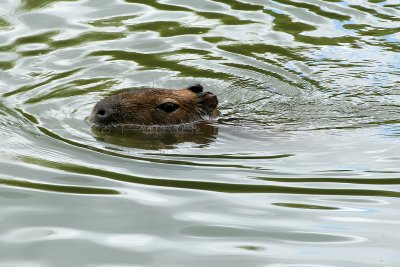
167 28
156 4
207 186
304 206
47 38
41 38
53 77
225 18
111 22
44 37
240 5
87 37
349 180
251 248
27 116
58 188
74 88
315 9
380 31
284 23
224 156
215 40
6 65
11 116
375 13
36 4
159 61
252 50
328 40
4 23
355 26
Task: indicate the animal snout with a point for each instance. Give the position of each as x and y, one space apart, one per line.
102 112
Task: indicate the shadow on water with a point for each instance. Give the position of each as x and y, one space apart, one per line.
156 138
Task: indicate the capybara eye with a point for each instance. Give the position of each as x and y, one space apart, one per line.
101 112
168 107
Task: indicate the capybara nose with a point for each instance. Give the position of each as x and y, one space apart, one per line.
102 111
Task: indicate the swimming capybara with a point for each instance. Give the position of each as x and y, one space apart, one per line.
153 106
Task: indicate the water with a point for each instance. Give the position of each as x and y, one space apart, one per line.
302 169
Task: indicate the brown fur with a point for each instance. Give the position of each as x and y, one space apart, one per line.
155 107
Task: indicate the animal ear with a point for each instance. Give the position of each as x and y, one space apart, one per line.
197 88
208 101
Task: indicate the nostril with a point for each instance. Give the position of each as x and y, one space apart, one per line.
102 113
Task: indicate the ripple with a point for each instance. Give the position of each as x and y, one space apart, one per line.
309 237
304 206
35 234
58 188
133 242
293 237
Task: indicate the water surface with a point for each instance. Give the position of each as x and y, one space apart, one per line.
302 169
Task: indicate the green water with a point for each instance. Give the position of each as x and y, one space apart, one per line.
302 169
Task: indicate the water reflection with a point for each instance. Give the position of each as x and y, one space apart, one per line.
157 137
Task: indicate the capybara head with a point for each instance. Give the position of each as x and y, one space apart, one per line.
152 106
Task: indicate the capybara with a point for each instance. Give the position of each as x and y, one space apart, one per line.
154 106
